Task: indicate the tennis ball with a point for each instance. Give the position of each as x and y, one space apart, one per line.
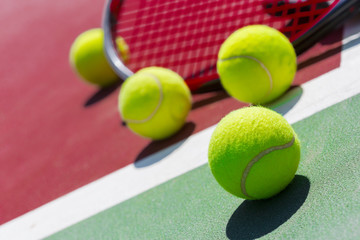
123 49
254 153
154 102
87 57
256 64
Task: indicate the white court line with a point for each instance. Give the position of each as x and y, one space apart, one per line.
318 94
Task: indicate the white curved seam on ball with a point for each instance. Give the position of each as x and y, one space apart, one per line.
156 108
256 159
261 65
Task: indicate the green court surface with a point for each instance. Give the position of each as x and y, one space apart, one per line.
322 202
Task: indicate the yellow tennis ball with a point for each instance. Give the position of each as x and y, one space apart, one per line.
256 64
88 60
123 49
254 153
154 102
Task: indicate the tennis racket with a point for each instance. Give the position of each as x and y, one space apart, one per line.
185 35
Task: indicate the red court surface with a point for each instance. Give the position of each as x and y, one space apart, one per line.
58 133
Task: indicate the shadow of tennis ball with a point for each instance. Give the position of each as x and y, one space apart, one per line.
287 101
101 94
254 219
158 150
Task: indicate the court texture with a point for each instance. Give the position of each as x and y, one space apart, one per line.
70 170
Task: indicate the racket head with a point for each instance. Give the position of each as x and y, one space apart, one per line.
185 35
337 14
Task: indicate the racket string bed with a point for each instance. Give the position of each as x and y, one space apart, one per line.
185 35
